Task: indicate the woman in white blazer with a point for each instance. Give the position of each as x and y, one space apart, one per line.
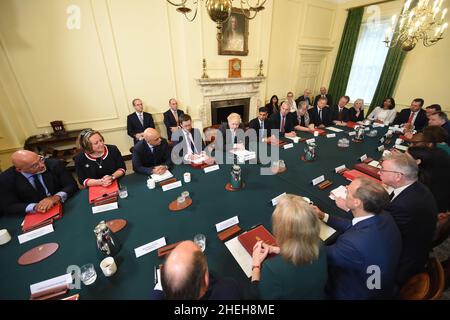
386 114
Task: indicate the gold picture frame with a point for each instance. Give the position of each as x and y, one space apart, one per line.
234 35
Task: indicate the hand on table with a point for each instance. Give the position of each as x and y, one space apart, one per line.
159 170
319 213
106 181
47 203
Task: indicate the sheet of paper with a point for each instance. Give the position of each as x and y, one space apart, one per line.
227 223
352 133
277 199
325 231
374 164
149 247
105 207
161 177
318 180
378 125
334 129
339 192
211 168
312 140
339 168
400 147
35 234
51 283
171 186
295 139
288 146
240 255
158 286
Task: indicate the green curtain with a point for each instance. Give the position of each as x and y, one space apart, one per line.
344 59
389 76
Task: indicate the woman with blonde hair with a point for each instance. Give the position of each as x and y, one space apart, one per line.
98 164
299 269
356 113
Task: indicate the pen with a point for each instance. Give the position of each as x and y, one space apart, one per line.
156 275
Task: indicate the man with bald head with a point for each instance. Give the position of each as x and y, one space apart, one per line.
151 155
185 276
34 183
172 117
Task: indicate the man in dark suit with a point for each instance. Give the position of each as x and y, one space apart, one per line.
138 121
439 119
34 184
363 260
230 134
185 276
320 115
339 113
284 121
305 97
261 124
188 143
414 209
171 118
151 155
324 94
413 116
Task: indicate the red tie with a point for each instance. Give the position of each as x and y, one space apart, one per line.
411 117
282 124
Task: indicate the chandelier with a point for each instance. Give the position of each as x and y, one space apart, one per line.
421 22
218 10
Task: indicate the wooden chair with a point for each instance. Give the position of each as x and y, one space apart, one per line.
427 285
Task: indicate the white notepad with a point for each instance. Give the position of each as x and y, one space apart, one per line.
161 177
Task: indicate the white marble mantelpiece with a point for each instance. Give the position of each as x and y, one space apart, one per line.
218 89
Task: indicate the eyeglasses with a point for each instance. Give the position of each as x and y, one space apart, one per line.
383 170
38 163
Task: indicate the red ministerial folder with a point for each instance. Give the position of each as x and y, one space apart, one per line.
320 131
367 169
250 238
351 124
98 192
34 220
353 174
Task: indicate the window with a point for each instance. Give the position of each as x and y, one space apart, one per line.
368 61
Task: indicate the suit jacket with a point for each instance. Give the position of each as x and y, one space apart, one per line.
134 124
352 115
446 127
255 125
226 142
303 98
334 111
144 159
169 121
289 122
314 116
180 144
373 241
420 122
17 192
415 212
329 102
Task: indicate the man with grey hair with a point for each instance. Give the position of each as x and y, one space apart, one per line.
370 239
414 209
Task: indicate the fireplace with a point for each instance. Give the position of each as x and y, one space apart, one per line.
221 109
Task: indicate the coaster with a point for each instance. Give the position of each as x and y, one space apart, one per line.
175 206
278 170
116 225
228 187
38 253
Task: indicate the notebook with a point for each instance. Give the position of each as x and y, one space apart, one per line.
34 220
98 193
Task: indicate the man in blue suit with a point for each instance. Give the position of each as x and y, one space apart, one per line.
363 261
138 121
152 154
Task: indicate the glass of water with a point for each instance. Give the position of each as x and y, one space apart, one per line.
200 240
88 274
123 192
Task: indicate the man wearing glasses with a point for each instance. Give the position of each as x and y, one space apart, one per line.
34 183
414 209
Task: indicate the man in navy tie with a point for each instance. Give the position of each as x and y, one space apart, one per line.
34 183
